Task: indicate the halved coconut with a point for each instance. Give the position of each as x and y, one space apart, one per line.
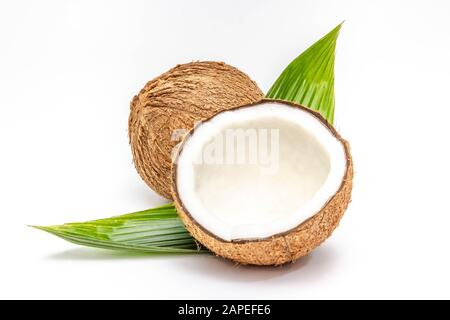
264 183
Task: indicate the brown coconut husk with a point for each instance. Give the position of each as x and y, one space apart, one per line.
176 100
287 246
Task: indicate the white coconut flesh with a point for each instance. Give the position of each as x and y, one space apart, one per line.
296 171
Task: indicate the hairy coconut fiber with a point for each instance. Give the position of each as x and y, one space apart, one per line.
173 102
285 247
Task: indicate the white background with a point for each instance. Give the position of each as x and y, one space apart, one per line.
68 70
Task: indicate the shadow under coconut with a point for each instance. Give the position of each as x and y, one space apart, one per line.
309 268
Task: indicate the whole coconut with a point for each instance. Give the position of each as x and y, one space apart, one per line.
174 101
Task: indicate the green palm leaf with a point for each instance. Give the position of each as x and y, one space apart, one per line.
308 80
157 230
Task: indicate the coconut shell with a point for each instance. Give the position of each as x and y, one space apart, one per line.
174 101
284 247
